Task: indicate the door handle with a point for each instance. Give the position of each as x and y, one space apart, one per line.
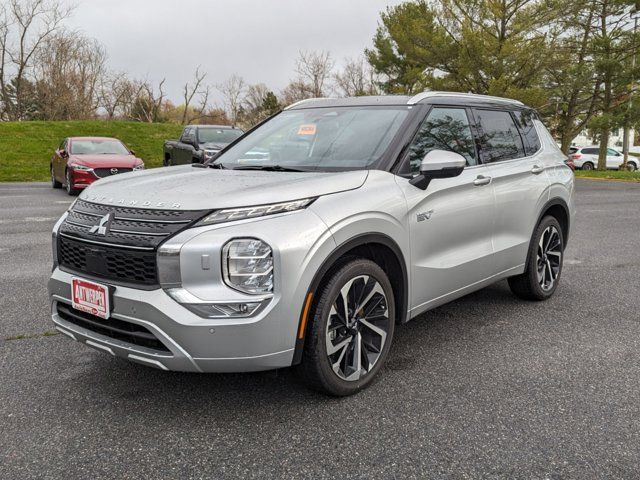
537 169
481 180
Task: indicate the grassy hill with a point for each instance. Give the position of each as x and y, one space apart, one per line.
27 147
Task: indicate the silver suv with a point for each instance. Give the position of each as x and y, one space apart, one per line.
306 241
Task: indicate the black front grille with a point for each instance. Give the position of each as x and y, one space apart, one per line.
114 263
125 250
112 328
106 172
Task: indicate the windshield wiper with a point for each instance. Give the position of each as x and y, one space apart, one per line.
269 168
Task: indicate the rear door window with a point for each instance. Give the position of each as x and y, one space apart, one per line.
499 136
590 151
528 129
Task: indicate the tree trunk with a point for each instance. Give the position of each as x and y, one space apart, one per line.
602 153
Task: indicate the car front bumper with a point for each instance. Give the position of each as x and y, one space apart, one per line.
193 344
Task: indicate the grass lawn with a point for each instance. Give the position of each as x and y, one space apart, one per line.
609 175
27 147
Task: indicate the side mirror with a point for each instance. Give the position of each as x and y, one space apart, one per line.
438 164
64 153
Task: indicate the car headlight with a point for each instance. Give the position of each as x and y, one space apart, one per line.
247 265
82 168
231 214
209 154
139 167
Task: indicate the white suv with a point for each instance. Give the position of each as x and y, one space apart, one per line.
586 158
357 215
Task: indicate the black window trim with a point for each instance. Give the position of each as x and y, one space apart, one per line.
402 157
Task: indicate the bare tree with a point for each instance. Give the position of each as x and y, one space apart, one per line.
294 92
314 70
117 93
147 104
27 25
357 78
190 90
232 91
69 70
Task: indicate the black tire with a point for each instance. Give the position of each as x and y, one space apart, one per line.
631 166
54 183
70 190
587 166
529 285
316 368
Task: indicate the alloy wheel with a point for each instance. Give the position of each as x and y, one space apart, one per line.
549 258
357 328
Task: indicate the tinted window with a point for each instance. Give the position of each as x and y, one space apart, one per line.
444 129
499 136
590 151
528 129
573 150
187 134
612 152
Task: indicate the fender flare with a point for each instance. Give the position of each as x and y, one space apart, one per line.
357 241
552 203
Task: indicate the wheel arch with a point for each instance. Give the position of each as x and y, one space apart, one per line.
559 209
377 247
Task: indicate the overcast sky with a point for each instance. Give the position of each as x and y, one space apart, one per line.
257 39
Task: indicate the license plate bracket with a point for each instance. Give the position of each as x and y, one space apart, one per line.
91 297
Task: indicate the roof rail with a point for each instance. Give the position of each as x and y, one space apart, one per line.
424 95
300 102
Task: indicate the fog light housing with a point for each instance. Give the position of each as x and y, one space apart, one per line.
247 266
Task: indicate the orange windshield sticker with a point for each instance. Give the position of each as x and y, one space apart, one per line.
307 130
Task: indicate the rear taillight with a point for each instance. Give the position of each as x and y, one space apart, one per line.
575 156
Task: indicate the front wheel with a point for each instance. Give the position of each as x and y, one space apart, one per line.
351 329
631 167
544 264
69 185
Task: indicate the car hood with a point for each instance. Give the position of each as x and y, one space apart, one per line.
102 161
188 188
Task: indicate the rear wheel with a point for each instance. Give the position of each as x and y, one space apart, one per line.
544 264
587 166
351 329
69 184
54 183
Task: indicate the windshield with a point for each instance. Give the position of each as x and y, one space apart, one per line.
319 139
98 147
218 135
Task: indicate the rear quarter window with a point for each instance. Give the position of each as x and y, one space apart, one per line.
528 129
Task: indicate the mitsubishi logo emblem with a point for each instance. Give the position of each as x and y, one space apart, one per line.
103 226
114 171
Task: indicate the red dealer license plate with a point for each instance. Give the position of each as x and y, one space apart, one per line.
90 297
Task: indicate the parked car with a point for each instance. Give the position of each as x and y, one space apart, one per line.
360 214
199 143
80 161
586 158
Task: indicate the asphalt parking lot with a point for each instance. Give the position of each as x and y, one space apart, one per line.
487 386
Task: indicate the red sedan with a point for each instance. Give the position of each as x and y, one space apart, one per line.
80 161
